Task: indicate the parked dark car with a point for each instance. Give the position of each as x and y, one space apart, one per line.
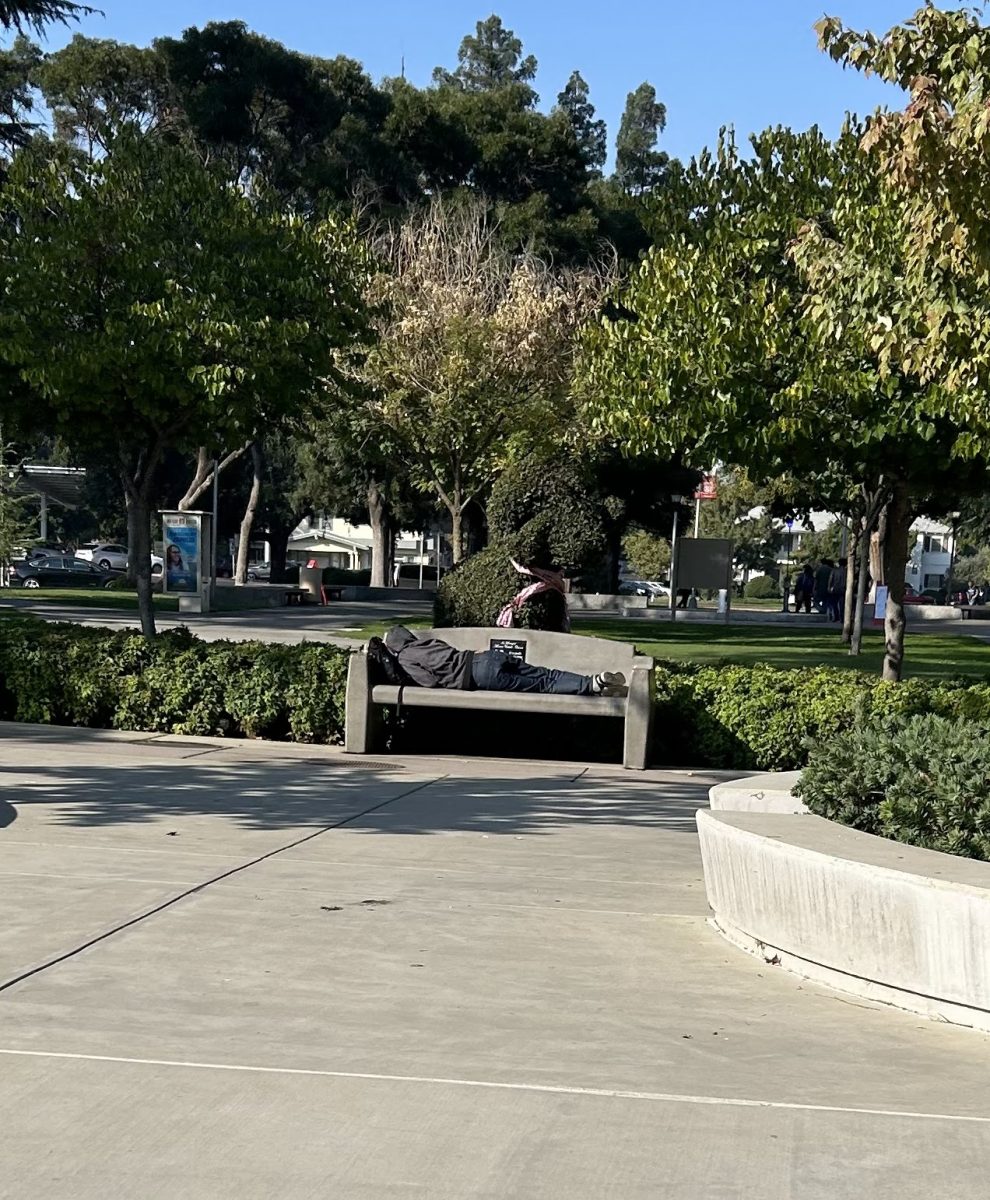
46 551
57 570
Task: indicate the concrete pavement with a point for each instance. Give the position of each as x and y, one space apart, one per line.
232 969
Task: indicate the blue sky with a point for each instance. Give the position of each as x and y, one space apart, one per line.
749 63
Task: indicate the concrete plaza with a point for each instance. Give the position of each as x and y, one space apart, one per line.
232 969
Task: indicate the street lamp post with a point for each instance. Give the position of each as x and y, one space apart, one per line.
786 588
954 517
673 558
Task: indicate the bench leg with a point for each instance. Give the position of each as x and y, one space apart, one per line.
639 719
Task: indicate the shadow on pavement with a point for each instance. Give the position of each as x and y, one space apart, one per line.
8 814
292 794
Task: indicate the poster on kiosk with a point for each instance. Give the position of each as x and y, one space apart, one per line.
185 570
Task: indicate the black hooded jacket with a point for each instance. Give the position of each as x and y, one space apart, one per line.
430 662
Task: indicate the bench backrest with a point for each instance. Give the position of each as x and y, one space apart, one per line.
565 651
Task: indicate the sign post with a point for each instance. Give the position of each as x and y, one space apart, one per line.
186 570
707 490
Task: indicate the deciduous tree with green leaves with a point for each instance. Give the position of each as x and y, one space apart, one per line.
647 553
18 528
475 344
754 336
152 306
933 158
97 89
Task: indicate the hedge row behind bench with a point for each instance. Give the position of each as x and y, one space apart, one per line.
747 717
64 674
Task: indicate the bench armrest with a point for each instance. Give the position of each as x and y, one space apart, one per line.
639 715
357 705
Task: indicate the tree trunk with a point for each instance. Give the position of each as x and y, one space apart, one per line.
278 539
894 563
856 536
864 567
203 478
200 481
247 521
877 541
456 534
613 554
382 537
139 552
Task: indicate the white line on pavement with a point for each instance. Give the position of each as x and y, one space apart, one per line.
495 1085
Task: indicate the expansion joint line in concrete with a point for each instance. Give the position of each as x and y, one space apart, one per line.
200 887
500 1085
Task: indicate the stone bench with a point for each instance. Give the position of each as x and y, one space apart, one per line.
366 698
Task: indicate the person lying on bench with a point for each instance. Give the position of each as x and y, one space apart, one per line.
432 663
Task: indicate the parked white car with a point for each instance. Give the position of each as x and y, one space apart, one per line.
108 556
643 587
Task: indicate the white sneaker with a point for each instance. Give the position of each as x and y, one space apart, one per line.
609 683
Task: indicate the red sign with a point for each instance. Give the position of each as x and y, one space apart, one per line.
707 489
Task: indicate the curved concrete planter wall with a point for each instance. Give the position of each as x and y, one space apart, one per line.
758 793
866 915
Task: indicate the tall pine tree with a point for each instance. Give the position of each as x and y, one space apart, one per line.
490 59
573 102
23 15
639 166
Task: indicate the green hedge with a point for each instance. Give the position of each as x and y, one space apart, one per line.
63 674
763 587
747 717
763 718
921 779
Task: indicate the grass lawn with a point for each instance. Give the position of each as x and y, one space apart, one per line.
926 654
86 598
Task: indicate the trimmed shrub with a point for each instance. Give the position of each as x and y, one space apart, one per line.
540 514
763 718
755 718
763 587
921 779
67 674
477 590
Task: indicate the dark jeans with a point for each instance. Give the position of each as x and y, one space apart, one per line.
495 672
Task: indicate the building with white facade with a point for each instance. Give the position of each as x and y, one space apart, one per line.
930 554
334 542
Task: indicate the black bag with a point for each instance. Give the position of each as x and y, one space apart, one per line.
385 665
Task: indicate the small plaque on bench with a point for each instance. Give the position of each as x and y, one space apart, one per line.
512 647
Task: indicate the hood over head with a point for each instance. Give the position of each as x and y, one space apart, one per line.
398 638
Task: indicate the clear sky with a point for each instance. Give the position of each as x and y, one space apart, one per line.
749 63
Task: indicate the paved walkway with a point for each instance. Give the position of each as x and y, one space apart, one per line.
336 623
250 971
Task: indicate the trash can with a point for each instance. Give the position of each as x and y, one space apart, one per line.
311 580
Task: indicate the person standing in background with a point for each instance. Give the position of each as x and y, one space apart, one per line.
837 591
804 589
822 575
